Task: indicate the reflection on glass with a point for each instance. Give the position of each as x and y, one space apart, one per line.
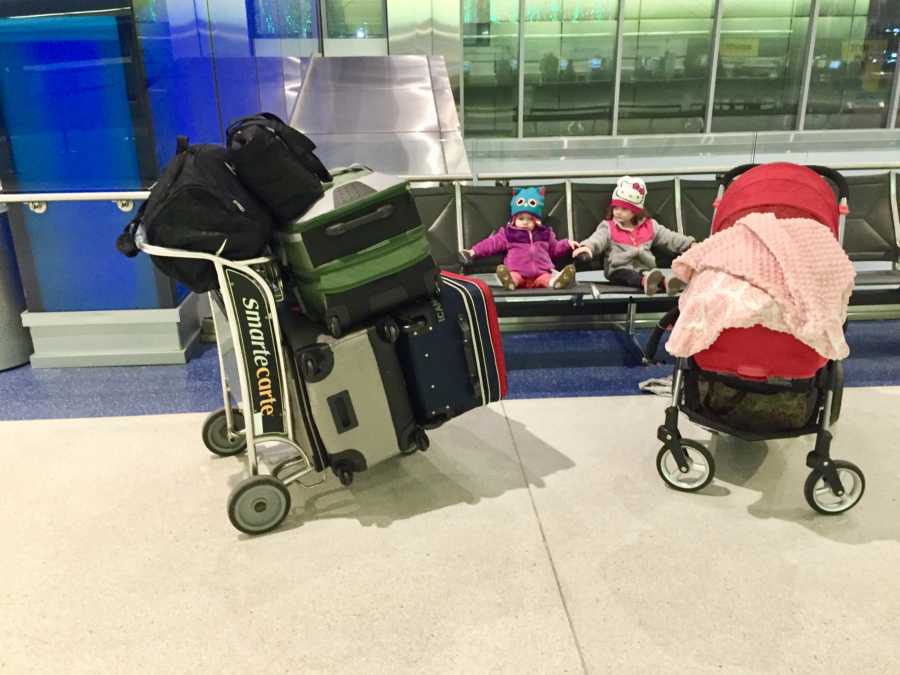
490 67
853 64
665 66
277 18
355 19
569 67
760 71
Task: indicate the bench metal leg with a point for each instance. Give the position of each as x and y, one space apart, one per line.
634 353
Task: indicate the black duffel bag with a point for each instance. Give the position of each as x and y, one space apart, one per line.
198 204
277 164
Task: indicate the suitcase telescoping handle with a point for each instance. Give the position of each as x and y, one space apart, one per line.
342 228
469 351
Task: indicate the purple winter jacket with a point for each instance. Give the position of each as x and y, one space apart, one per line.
528 253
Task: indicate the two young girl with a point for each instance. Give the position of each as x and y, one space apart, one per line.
627 235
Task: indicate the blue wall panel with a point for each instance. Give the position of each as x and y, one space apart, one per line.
69 122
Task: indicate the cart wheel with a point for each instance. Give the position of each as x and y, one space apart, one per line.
701 469
389 330
334 326
216 437
821 497
258 504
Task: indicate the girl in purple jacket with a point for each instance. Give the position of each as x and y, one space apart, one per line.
530 247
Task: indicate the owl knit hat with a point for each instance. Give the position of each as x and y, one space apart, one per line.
629 194
527 200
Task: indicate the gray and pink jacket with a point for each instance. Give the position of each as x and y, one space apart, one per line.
528 253
631 249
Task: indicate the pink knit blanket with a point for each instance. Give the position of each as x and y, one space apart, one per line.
789 275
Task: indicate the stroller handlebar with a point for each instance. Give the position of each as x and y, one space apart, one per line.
824 171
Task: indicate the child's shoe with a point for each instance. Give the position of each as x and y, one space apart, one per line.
564 278
674 285
505 277
651 281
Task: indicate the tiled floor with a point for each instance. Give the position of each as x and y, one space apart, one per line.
534 537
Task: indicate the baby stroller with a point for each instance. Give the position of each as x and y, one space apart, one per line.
758 367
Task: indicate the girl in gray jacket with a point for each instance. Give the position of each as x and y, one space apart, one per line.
628 235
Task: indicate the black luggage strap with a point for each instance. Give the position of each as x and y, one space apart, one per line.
125 241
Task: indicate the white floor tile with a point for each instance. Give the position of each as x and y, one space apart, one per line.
743 577
118 556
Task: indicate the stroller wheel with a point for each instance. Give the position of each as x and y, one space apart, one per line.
258 504
216 437
822 498
701 467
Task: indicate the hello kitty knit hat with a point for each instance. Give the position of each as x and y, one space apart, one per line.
629 194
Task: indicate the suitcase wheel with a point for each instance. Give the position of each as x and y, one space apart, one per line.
334 326
388 330
422 442
310 367
344 474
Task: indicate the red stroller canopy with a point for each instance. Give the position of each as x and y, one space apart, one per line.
785 189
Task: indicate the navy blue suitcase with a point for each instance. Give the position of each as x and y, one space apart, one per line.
450 351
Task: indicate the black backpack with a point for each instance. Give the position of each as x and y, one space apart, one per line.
277 164
198 204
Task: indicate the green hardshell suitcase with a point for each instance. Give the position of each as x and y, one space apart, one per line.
360 251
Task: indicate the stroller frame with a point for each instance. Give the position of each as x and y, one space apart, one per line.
833 486
247 298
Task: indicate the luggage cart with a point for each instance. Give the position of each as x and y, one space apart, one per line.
246 322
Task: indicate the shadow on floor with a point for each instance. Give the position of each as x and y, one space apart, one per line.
471 459
777 471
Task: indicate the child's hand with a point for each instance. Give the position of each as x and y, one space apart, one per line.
466 256
573 244
582 250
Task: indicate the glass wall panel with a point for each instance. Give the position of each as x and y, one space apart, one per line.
355 19
74 116
490 67
760 72
569 66
665 66
853 64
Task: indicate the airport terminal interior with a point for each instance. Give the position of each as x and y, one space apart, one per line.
527 336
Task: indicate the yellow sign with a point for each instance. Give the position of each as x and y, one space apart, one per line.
852 50
735 46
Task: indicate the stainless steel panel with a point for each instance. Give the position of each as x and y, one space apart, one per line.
398 153
409 27
393 113
447 37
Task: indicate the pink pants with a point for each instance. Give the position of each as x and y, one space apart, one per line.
542 281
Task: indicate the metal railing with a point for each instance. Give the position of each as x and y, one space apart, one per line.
124 199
